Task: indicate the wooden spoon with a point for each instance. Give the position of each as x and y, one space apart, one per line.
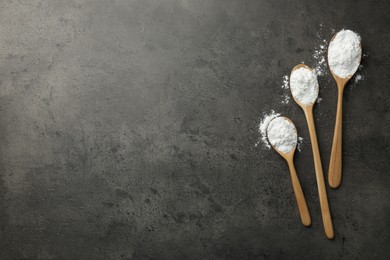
335 163
325 211
299 197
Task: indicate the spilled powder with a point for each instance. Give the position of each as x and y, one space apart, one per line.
282 134
285 82
263 127
286 99
300 141
319 56
358 78
285 96
304 85
320 67
344 53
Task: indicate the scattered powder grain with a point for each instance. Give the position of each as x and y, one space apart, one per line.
285 82
358 78
286 99
320 67
263 127
300 141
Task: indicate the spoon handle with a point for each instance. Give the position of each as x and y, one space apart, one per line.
299 197
325 211
335 163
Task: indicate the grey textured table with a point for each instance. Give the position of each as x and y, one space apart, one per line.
127 130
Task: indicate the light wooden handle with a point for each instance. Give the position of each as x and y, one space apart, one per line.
335 163
325 211
300 198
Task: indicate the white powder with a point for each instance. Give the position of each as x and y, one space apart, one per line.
282 134
300 141
285 82
344 53
358 78
286 99
304 85
263 127
286 95
320 67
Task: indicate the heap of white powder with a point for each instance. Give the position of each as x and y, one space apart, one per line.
282 134
344 53
304 85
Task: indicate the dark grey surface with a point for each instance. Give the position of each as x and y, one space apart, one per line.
128 129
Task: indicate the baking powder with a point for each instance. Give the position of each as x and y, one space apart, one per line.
304 85
344 53
282 134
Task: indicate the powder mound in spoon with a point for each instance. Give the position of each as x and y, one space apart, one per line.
304 85
282 134
344 53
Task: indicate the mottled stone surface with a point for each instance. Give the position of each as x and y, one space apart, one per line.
127 130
